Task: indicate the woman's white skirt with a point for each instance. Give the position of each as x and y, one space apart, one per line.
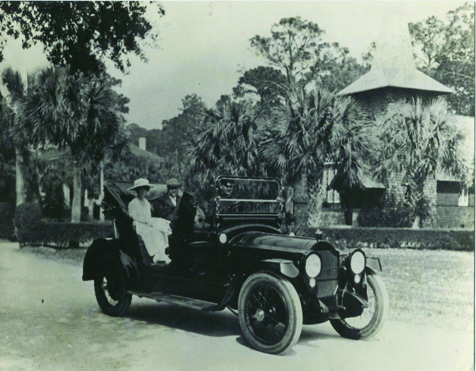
156 238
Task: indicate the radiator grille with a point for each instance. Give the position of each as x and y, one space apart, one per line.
327 280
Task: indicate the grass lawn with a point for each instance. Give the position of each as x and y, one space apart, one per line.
429 287
434 287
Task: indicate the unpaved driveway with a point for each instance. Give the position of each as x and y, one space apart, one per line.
49 320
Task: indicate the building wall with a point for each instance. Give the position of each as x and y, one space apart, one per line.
375 102
455 217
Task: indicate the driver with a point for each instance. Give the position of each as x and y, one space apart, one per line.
226 189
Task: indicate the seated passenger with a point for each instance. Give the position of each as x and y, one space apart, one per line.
166 205
154 231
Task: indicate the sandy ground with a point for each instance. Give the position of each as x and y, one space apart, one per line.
49 320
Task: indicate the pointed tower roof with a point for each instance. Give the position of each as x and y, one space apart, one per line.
393 64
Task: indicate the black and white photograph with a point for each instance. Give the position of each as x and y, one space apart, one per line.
237 185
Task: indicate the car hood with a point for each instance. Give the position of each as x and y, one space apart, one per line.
273 242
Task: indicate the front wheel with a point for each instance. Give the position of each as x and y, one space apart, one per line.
110 289
270 313
372 318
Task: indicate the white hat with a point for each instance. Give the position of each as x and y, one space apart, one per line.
141 182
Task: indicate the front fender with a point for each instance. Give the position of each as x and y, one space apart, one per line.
276 267
284 267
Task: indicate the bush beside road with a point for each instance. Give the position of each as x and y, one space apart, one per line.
433 286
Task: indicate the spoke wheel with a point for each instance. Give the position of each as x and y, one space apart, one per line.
270 313
372 318
110 289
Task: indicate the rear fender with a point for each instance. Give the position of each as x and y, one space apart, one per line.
100 248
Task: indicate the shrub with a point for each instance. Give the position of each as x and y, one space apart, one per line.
65 234
357 237
393 217
7 212
32 230
28 222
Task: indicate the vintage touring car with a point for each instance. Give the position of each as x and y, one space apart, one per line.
240 259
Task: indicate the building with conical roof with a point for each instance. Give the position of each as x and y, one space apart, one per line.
393 75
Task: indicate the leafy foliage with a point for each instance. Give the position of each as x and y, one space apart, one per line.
80 33
418 141
64 235
7 153
182 129
28 221
79 112
7 210
424 239
291 47
268 83
334 68
445 51
75 111
129 167
312 129
296 49
227 145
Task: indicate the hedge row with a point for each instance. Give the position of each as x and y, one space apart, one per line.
33 230
64 234
7 212
361 237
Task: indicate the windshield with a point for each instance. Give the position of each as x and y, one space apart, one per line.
247 195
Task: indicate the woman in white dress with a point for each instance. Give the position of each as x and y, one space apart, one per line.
154 231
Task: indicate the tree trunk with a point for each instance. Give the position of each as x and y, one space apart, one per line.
76 206
101 190
301 198
300 187
416 222
20 179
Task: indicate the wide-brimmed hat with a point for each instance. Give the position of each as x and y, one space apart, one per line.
141 183
173 183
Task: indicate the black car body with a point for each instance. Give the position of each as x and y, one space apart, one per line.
240 259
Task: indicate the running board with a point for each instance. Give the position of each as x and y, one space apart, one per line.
177 300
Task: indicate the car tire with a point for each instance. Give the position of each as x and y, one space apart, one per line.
110 288
349 327
270 313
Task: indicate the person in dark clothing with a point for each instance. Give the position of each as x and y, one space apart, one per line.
166 205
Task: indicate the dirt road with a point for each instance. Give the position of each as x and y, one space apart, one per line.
49 320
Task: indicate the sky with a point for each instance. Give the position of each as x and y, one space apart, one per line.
203 46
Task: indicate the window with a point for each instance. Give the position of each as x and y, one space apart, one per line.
332 196
451 193
463 199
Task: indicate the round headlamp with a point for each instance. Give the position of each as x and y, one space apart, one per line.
222 238
357 262
313 265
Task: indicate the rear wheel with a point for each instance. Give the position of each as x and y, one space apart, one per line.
110 289
372 318
270 313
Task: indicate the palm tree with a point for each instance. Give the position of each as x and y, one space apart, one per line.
418 141
16 91
312 129
76 111
227 145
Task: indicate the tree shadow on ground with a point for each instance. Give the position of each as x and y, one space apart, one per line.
193 320
216 324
